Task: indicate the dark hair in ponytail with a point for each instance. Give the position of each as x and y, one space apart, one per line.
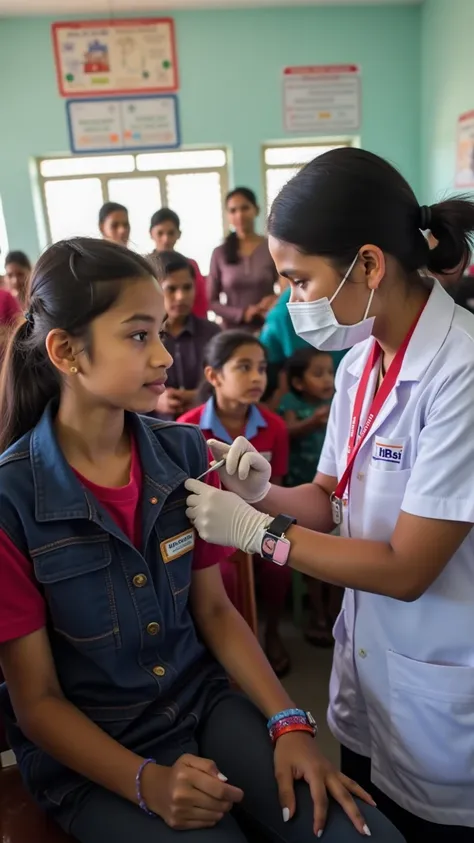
218 352
72 283
231 243
348 197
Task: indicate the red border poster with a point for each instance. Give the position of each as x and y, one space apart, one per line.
102 57
465 151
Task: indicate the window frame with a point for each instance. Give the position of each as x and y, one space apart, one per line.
288 143
161 175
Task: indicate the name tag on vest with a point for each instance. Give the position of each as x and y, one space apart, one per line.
177 546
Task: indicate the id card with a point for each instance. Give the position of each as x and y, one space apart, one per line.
336 509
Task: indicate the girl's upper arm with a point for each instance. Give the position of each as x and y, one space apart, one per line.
207 594
29 670
325 482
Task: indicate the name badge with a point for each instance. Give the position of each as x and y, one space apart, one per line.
177 546
387 451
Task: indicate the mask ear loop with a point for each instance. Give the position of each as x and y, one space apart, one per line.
346 276
368 304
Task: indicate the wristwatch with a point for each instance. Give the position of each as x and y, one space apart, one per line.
275 546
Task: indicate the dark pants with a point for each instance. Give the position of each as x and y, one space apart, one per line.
234 735
414 829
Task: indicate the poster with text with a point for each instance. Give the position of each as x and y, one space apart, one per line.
321 99
123 124
465 151
115 57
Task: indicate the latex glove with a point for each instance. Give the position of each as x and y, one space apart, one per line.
246 472
223 518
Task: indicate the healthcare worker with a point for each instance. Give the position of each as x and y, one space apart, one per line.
397 473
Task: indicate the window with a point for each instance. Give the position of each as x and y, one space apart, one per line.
4 248
282 162
193 182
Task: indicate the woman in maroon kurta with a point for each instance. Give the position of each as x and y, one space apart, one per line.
242 268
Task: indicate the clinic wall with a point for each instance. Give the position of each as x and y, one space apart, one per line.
446 88
230 68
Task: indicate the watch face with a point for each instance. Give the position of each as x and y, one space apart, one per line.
268 546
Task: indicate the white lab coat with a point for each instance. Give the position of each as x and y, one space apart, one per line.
402 685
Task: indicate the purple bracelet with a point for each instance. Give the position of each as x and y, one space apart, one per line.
138 783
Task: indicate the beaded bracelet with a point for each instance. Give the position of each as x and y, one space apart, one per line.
289 712
138 783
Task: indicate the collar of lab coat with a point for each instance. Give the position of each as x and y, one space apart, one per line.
429 336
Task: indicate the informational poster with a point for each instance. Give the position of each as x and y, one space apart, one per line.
465 151
322 99
123 124
115 57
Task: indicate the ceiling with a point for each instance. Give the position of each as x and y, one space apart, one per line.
95 7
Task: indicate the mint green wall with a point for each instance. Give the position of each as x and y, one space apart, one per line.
230 67
447 88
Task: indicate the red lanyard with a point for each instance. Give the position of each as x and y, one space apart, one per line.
378 401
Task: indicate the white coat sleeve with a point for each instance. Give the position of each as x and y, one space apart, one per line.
441 483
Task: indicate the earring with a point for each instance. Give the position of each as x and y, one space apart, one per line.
73 370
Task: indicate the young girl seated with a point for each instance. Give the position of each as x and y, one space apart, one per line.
116 635
235 372
305 410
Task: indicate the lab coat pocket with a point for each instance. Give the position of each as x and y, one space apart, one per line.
432 720
383 500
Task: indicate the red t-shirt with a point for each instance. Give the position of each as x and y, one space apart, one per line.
22 605
9 308
265 430
201 305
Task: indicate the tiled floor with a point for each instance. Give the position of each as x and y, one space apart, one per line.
308 683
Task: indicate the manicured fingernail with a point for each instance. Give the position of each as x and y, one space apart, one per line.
367 831
286 814
320 833
222 777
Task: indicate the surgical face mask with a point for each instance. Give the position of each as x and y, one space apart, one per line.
316 322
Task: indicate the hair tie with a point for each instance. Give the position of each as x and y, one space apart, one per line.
425 217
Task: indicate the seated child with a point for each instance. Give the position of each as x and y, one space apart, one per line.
165 233
116 634
186 335
305 409
235 372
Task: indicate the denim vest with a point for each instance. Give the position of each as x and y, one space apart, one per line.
124 644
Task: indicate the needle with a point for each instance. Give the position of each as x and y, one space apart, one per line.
213 467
